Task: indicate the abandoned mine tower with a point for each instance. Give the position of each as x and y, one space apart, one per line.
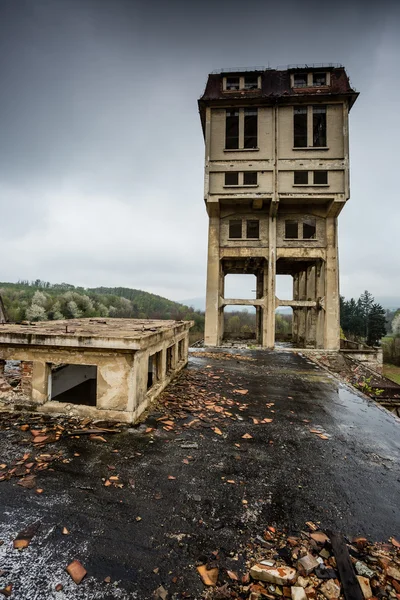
276 179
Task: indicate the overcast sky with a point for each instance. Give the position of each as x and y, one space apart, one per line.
101 150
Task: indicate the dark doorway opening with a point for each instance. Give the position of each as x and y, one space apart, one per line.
74 384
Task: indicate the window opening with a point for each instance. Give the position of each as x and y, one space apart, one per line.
239 323
283 285
242 285
320 177
74 384
154 374
319 126
232 130
170 358
250 178
235 229
309 229
251 82
300 126
300 80
291 230
283 325
253 229
319 79
181 350
300 177
250 127
232 83
232 178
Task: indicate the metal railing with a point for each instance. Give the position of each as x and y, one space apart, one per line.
239 70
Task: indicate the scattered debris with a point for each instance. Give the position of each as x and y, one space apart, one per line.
24 537
209 576
77 571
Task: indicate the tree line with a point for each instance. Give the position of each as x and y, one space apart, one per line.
43 301
363 319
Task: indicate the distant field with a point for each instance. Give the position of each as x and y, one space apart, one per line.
392 372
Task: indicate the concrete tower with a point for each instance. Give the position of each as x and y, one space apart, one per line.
276 179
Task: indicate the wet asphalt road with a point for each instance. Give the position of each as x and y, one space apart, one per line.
349 482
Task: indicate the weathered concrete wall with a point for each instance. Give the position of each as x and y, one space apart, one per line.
370 358
122 376
300 217
70 376
335 142
233 213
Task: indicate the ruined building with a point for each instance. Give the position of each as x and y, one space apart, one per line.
276 179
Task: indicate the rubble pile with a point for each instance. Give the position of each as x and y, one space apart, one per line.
308 566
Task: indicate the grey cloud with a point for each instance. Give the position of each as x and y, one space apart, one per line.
101 153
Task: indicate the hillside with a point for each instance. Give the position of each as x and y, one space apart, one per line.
41 301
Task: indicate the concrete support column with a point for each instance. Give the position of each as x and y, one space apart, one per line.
301 318
269 321
295 325
320 292
259 310
221 317
41 372
212 321
311 324
139 384
332 326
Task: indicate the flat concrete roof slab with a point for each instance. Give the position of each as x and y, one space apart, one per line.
104 333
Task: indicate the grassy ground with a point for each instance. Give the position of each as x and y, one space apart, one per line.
392 372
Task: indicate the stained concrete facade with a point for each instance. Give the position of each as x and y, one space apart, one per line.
98 368
276 179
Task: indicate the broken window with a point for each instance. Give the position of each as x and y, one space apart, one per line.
154 374
320 177
300 126
251 82
291 230
319 126
253 229
309 229
232 83
74 384
250 178
232 130
319 79
250 127
235 229
301 177
300 80
232 178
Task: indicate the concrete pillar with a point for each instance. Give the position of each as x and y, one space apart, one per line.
301 319
41 372
295 314
320 294
311 312
259 310
269 330
212 321
221 315
332 326
138 391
